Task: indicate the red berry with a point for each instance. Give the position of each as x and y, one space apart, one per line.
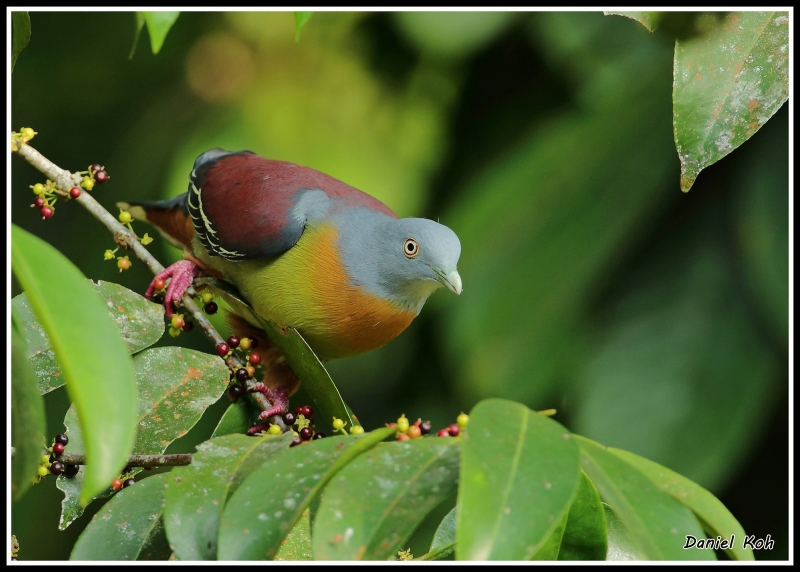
71 470
233 342
425 427
74 192
413 432
100 177
443 433
187 327
158 284
402 437
298 410
454 430
307 411
222 349
128 482
296 441
38 202
47 212
306 433
253 343
211 308
58 449
235 391
288 418
255 358
318 435
56 468
62 438
116 485
96 167
242 375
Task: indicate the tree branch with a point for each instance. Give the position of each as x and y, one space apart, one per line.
177 460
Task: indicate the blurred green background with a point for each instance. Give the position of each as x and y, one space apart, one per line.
652 320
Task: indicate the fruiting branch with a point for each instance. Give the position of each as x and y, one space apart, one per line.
177 460
123 236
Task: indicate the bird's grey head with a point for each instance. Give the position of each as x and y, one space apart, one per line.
410 258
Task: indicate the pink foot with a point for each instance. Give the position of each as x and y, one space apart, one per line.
278 398
181 275
255 429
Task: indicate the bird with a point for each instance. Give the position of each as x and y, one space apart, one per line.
306 251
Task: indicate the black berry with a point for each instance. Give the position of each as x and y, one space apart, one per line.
319 435
100 177
233 342
305 433
158 298
128 482
187 327
71 470
307 411
296 441
96 167
62 438
235 391
241 374
58 449
425 427
211 308
56 468
253 343
289 418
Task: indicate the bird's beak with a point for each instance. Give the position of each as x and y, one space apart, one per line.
450 278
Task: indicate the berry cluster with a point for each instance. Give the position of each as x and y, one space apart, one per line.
302 420
123 262
47 193
209 306
19 139
419 428
50 463
238 378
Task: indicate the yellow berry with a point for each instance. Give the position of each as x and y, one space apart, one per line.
38 189
174 332
178 321
402 424
207 297
462 420
123 263
45 459
87 183
108 255
356 429
337 423
274 430
251 371
125 217
43 471
27 133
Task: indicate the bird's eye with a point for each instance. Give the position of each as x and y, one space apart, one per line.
410 248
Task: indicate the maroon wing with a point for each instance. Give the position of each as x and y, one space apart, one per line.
242 205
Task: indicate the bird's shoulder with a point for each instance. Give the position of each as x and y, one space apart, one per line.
244 206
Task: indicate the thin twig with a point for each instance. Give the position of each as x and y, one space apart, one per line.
126 238
177 460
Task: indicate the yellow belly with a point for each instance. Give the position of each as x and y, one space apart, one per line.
307 288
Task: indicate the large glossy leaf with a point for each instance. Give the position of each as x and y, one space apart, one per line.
715 518
27 415
444 538
196 494
176 386
519 473
579 189
268 503
328 402
727 84
657 523
621 546
21 29
128 527
297 544
140 323
374 504
689 379
158 25
586 535
90 352
647 19
238 418
551 547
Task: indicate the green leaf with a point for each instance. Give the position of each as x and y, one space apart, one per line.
158 25
21 29
92 357
715 518
647 19
297 544
445 535
657 523
328 402
176 386
128 527
374 504
137 32
551 547
27 415
140 323
196 494
237 419
727 84
269 502
621 545
300 19
585 537
519 473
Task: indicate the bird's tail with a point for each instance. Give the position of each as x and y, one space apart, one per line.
170 217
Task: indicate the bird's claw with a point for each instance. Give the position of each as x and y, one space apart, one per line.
180 277
278 397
